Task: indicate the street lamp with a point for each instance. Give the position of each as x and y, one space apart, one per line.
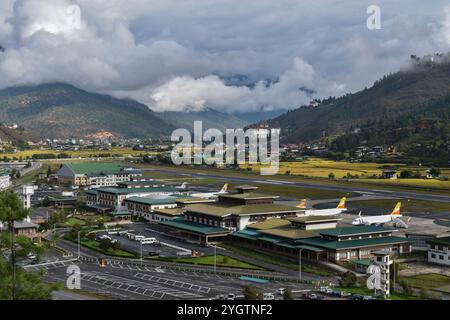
79 246
215 259
141 253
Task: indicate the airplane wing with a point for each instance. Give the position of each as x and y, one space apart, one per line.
400 223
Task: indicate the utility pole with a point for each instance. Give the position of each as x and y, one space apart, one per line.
300 265
215 259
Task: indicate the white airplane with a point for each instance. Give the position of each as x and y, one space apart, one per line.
211 194
324 212
394 217
183 186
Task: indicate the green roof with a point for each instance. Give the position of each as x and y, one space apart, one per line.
4 172
336 245
93 168
183 224
222 210
151 201
443 240
362 262
358 230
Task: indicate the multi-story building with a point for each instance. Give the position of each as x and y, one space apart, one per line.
5 180
439 251
113 199
94 174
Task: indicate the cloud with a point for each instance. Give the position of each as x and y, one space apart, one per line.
181 55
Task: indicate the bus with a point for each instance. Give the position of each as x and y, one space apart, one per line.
148 240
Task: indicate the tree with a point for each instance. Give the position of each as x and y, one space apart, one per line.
287 295
348 280
331 176
12 210
434 172
49 171
250 293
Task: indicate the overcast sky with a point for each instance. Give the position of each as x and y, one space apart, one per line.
187 54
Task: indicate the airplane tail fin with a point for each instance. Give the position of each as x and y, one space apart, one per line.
302 204
224 188
183 185
341 204
396 210
359 214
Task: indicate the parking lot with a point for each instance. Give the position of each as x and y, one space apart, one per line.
166 247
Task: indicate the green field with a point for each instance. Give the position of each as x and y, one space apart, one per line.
420 206
427 281
123 152
222 261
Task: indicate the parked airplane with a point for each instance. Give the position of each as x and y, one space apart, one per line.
324 212
394 217
211 194
183 186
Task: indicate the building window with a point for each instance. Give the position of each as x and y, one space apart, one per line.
433 256
441 257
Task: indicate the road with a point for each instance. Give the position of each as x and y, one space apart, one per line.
375 192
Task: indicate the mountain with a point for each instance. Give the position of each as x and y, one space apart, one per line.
60 110
211 119
17 136
396 96
257 116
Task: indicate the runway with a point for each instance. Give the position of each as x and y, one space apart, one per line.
361 190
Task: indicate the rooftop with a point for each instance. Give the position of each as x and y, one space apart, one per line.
248 196
442 240
269 224
169 212
312 219
137 190
152 200
183 224
358 230
290 233
335 245
222 210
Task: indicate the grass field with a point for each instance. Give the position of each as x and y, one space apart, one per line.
317 167
407 205
427 281
124 152
365 291
222 261
425 186
95 245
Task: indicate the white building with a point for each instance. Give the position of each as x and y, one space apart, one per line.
5 179
439 251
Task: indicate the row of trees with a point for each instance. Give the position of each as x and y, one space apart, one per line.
15 282
251 293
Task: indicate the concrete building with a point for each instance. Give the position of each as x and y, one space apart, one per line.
335 245
94 174
439 251
113 199
5 179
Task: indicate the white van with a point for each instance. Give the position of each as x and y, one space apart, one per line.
138 238
148 240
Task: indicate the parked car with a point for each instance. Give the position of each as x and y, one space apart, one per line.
357 297
153 254
231 296
345 294
221 297
369 298
268 296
